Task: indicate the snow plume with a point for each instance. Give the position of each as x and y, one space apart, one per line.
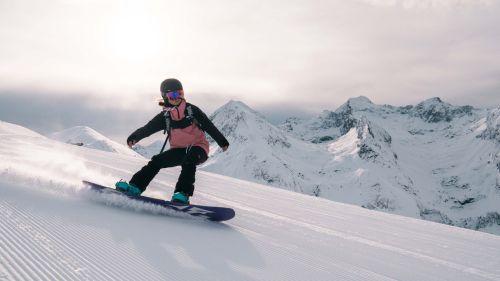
42 165
123 202
39 162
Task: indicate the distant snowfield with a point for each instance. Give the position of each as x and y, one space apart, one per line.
52 228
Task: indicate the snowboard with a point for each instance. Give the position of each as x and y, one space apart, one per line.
206 212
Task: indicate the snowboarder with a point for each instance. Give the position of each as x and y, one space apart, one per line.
185 125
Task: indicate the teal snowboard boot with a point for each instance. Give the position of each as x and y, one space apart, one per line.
127 188
180 197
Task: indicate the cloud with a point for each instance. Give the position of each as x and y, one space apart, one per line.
436 4
47 113
313 54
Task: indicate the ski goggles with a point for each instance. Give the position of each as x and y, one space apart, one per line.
173 95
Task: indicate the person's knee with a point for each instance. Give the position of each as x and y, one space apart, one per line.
196 157
202 158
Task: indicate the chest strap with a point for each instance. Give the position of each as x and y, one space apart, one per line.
180 124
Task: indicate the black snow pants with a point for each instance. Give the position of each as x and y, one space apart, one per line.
187 158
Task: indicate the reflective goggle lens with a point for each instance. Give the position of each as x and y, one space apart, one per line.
173 95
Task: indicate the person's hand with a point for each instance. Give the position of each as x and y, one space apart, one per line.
131 143
224 148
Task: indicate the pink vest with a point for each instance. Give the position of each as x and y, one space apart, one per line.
189 136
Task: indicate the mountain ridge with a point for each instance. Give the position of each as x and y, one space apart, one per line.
384 164
433 161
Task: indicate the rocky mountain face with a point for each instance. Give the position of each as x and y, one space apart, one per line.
492 130
434 160
434 110
261 152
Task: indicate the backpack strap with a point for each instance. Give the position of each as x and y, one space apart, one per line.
189 111
167 123
190 116
167 129
189 119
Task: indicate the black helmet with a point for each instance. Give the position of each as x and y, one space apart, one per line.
170 84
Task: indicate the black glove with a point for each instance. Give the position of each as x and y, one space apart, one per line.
132 140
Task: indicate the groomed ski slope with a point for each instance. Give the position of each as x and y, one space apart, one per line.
52 228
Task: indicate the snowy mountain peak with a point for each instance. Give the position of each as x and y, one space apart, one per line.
361 100
434 100
356 104
88 137
236 103
78 132
238 106
435 110
236 121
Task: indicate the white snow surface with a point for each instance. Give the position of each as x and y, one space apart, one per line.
53 228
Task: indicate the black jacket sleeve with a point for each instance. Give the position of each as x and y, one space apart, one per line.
155 125
209 127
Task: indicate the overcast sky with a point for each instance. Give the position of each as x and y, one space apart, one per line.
108 56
